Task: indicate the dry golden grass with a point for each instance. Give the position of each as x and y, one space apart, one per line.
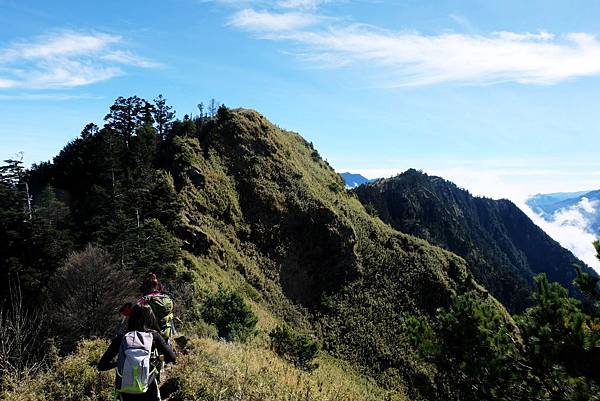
71 378
215 370
211 371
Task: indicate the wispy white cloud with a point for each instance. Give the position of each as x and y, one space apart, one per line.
7 83
408 58
300 4
47 96
128 58
65 59
463 22
60 45
269 22
570 227
271 4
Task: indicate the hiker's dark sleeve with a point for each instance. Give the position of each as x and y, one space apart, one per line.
164 348
106 362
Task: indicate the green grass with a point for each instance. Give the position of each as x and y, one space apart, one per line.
211 370
215 370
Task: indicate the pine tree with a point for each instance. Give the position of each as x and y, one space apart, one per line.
163 115
146 113
89 131
125 115
587 283
213 106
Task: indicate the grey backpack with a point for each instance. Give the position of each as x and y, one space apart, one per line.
134 369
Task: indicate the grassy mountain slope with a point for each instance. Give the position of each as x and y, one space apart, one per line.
262 212
208 368
272 209
504 249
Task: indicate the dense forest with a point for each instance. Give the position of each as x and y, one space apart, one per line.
505 250
286 286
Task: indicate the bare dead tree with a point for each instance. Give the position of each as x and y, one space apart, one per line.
86 293
22 336
213 106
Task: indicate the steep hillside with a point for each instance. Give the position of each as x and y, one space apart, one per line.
233 201
239 195
272 209
504 249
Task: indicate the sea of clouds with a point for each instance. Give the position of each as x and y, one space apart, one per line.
570 227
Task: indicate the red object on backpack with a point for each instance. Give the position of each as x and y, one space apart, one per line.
126 309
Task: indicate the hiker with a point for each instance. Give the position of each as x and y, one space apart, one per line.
139 352
161 304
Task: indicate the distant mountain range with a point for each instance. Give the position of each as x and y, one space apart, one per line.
354 180
569 208
502 246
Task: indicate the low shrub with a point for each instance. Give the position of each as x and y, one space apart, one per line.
72 378
233 319
335 187
296 347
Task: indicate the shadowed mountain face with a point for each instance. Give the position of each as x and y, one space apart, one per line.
503 248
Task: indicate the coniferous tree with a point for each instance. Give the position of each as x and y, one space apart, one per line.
165 204
560 339
125 115
163 115
213 106
587 283
13 222
89 131
146 113
157 251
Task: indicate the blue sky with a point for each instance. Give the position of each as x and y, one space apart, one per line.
501 97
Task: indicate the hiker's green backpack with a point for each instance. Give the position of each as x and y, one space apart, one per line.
162 306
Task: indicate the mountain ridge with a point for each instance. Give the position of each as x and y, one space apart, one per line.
496 238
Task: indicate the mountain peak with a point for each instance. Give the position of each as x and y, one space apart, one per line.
495 237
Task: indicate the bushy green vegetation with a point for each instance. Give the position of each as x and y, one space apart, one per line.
72 378
230 314
300 349
562 343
